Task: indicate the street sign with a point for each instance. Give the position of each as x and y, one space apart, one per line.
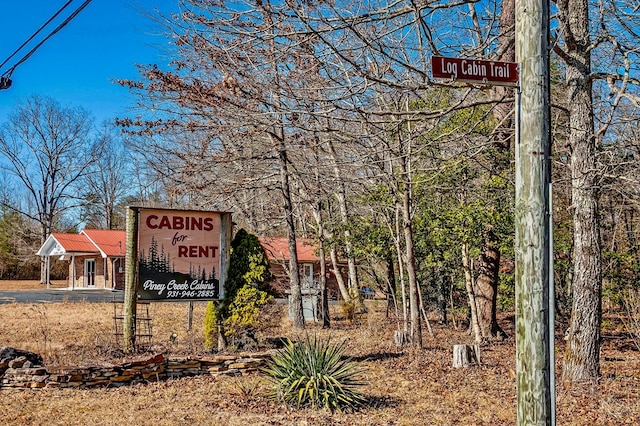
475 71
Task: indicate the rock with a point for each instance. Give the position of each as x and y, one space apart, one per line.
13 353
21 369
17 362
11 358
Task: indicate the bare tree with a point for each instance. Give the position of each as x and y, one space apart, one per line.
583 344
107 182
47 150
225 100
597 59
255 84
383 52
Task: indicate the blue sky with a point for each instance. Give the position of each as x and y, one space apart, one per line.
77 65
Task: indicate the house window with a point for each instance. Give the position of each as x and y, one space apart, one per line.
90 273
307 281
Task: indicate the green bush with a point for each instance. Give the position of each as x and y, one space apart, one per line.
211 326
243 321
245 316
248 265
315 373
246 292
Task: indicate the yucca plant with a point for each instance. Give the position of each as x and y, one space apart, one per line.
314 373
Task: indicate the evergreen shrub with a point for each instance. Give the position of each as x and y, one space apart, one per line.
314 373
246 293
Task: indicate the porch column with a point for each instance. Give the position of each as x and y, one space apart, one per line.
113 273
73 272
48 263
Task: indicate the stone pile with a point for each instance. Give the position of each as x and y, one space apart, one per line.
11 357
21 371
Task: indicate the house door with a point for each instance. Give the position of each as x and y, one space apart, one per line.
308 276
90 273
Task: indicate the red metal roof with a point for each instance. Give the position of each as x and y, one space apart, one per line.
74 243
111 242
277 249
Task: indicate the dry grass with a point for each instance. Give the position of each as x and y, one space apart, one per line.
30 285
413 387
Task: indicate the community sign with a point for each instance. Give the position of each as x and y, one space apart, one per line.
180 254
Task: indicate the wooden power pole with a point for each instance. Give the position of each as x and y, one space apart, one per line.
534 339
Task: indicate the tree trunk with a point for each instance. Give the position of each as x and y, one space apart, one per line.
423 311
403 284
582 353
354 290
294 273
391 285
470 285
45 231
486 288
344 292
324 297
415 331
443 284
43 269
277 137
317 215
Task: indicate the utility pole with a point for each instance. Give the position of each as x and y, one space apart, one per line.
534 286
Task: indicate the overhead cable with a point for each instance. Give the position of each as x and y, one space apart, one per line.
8 73
36 33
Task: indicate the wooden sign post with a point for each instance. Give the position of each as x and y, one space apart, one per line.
131 280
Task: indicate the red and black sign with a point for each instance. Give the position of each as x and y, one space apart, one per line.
475 70
179 255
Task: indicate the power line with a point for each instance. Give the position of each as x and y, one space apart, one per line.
5 79
51 34
55 15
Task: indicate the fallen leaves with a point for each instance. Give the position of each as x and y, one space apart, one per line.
405 387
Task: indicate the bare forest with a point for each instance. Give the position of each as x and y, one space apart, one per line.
322 120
